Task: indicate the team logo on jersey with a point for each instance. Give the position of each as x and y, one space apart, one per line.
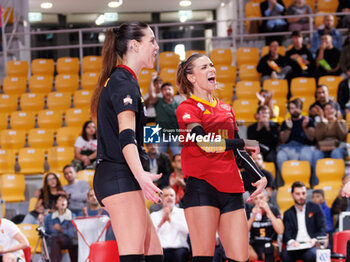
206 112
201 107
186 116
127 100
226 107
151 134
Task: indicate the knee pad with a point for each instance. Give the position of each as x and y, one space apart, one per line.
154 258
232 260
132 258
202 259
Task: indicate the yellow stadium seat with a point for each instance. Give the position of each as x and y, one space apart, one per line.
49 119
144 78
265 50
303 86
188 53
332 82
32 101
281 102
252 10
226 73
284 198
330 170
32 203
270 166
348 120
86 175
248 73
221 56
168 75
296 170
14 85
278 88
29 230
92 64
4 121
66 136
42 66
22 120
77 116
17 68
287 3
12 139
247 56
59 100
41 84
245 110
58 157
66 83
7 161
328 6
31 160
82 98
68 65
8 103
89 80
12 187
40 138
168 60
224 92
247 89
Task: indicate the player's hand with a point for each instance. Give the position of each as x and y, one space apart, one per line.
260 185
345 192
289 123
150 190
252 146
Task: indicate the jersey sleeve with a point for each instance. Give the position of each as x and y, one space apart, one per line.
11 228
187 114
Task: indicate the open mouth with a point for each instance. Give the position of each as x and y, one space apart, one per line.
212 80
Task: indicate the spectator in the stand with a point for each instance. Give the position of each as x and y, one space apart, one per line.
328 28
166 116
319 198
176 179
155 83
35 216
303 223
299 7
63 234
273 8
341 203
273 65
322 98
92 207
171 227
12 241
264 224
327 58
300 57
296 135
77 190
344 7
85 148
343 96
265 98
158 163
265 132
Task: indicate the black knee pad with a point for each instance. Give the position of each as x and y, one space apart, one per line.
202 259
154 258
232 260
132 258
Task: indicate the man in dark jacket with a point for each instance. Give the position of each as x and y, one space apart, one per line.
303 223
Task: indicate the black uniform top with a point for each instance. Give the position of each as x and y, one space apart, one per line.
121 93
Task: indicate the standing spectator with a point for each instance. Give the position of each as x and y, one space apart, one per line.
318 198
12 241
300 57
328 28
344 7
327 57
63 235
176 179
299 7
266 133
85 148
166 115
264 224
303 223
77 189
171 227
343 96
155 84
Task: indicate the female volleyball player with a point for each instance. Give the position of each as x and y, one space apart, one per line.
213 196
120 182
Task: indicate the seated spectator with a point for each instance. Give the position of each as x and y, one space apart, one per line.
273 8
319 198
297 135
300 57
303 223
340 204
327 28
344 7
265 98
171 227
92 207
35 216
76 189
155 83
266 133
12 241
158 163
299 7
273 65
85 148
61 230
343 96
327 58
322 98
176 179
264 224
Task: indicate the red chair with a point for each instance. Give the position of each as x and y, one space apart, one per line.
104 251
340 240
27 254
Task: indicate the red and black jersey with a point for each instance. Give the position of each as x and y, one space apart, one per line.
218 169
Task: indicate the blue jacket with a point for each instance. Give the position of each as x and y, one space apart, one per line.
68 229
328 215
